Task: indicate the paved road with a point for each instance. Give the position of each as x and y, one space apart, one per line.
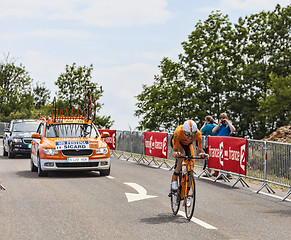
82 205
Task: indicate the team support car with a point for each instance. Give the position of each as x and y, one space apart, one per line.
63 144
17 137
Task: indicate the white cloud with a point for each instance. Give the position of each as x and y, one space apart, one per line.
251 5
60 33
121 84
105 13
44 68
156 56
125 81
49 33
248 6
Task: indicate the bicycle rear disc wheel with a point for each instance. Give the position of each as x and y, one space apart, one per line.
190 196
176 199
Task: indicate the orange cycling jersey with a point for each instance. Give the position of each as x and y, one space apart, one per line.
180 139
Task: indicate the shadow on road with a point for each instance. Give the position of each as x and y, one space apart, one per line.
220 183
164 218
59 174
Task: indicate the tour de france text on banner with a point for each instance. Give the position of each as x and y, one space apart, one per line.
111 141
156 144
228 154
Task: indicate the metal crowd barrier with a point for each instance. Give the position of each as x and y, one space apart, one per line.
268 162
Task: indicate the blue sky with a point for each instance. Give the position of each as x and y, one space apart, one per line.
125 40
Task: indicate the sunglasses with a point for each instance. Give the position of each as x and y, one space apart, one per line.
190 134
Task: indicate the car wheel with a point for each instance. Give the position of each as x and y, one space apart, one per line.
10 154
105 172
33 168
4 151
40 172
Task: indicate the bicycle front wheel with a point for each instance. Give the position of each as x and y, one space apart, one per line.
190 196
176 198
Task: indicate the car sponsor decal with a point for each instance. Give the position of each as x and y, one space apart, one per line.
70 121
65 145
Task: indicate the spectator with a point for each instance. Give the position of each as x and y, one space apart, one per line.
206 130
223 128
207 127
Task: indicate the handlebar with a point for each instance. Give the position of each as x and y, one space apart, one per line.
190 157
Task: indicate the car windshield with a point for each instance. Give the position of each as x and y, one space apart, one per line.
25 127
70 130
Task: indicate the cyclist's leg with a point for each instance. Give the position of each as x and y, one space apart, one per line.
178 167
179 161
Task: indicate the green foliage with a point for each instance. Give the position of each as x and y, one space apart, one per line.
16 98
275 104
72 88
225 67
41 95
72 84
20 100
206 64
158 103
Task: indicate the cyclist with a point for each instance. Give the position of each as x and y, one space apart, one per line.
182 140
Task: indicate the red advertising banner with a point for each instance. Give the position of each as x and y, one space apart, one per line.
228 154
111 141
156 144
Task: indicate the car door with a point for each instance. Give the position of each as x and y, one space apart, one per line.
35 143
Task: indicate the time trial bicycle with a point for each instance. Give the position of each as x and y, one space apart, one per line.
186 188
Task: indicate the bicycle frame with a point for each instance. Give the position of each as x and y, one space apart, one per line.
185 174
90 102
186 189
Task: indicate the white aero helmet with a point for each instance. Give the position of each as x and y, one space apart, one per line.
190 128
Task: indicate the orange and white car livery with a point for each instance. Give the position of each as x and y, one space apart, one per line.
69 143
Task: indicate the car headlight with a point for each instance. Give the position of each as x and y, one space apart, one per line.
101 150
17 140
50 151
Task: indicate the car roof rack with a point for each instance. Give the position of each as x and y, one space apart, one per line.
59 117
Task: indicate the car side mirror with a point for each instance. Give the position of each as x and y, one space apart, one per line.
105 134
35 135
6 130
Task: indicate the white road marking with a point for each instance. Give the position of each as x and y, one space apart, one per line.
274 196
198 221
141 195
110 177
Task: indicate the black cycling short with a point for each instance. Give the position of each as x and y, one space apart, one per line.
185 147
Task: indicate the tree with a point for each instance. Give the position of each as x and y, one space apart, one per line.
275 105
207 61
41 95
72 86
16 98
224 68
194 87
158 103
267 51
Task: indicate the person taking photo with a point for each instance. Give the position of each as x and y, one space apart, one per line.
224 126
